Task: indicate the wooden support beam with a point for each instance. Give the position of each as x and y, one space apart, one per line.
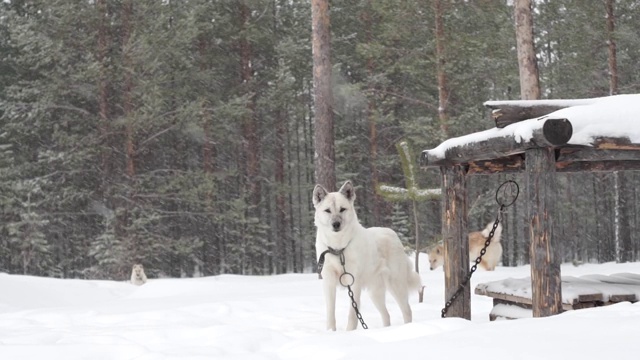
511 164
570 154
622 143
569 160
455 239
508 112
551 133
540 187
597 166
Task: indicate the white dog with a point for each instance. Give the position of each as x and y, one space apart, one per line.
138 276
476 242
374 257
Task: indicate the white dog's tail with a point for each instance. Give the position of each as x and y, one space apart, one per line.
496 235
414 281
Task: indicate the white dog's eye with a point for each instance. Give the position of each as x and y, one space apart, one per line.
327 211
342 209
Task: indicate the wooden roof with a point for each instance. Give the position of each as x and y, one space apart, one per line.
599 134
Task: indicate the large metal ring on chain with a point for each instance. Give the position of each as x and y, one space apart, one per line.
507 193
346 277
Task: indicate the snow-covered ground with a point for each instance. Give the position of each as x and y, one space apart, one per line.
282 317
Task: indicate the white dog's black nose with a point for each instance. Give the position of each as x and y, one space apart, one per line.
336 225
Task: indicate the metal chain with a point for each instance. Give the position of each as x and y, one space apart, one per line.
478 260
349 291
346 283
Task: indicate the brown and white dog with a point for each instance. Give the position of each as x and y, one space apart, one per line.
476 243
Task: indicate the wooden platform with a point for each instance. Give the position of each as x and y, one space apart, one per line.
512 297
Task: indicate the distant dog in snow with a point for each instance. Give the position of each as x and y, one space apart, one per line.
476 243
138 276
374 256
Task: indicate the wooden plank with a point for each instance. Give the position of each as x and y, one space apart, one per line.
509 312
512 299
509 298
540 188
455 239
622 298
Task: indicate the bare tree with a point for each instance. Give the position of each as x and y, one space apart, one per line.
443 89
325 172
127 93
250 142
611 42
527 63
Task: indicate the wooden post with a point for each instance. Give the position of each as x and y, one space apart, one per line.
455 238
540 187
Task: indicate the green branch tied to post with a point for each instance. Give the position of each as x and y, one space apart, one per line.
410 193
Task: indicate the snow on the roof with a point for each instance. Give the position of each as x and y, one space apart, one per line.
611 116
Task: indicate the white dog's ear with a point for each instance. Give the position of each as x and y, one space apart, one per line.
348 191
318 195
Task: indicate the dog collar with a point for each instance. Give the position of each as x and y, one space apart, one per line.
331 251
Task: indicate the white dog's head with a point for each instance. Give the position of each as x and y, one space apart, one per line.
334 210
137 270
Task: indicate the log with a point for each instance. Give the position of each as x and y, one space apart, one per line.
508 112
540 187
552 133
455 239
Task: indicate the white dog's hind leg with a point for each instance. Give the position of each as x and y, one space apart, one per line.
330 301
401 294
377 294
353 319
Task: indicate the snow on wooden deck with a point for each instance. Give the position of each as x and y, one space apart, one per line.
513 297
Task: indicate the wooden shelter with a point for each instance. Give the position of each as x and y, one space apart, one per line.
539 138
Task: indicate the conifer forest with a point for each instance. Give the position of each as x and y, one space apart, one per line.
180 133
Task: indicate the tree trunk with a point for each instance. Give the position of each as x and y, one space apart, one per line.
527 63
443 90
250 143
371 116
283 251
611 42
103 93
208 146
127 92
325 172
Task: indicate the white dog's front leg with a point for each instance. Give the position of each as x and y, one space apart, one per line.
329 284
352 324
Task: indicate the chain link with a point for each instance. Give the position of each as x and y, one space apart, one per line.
503 205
